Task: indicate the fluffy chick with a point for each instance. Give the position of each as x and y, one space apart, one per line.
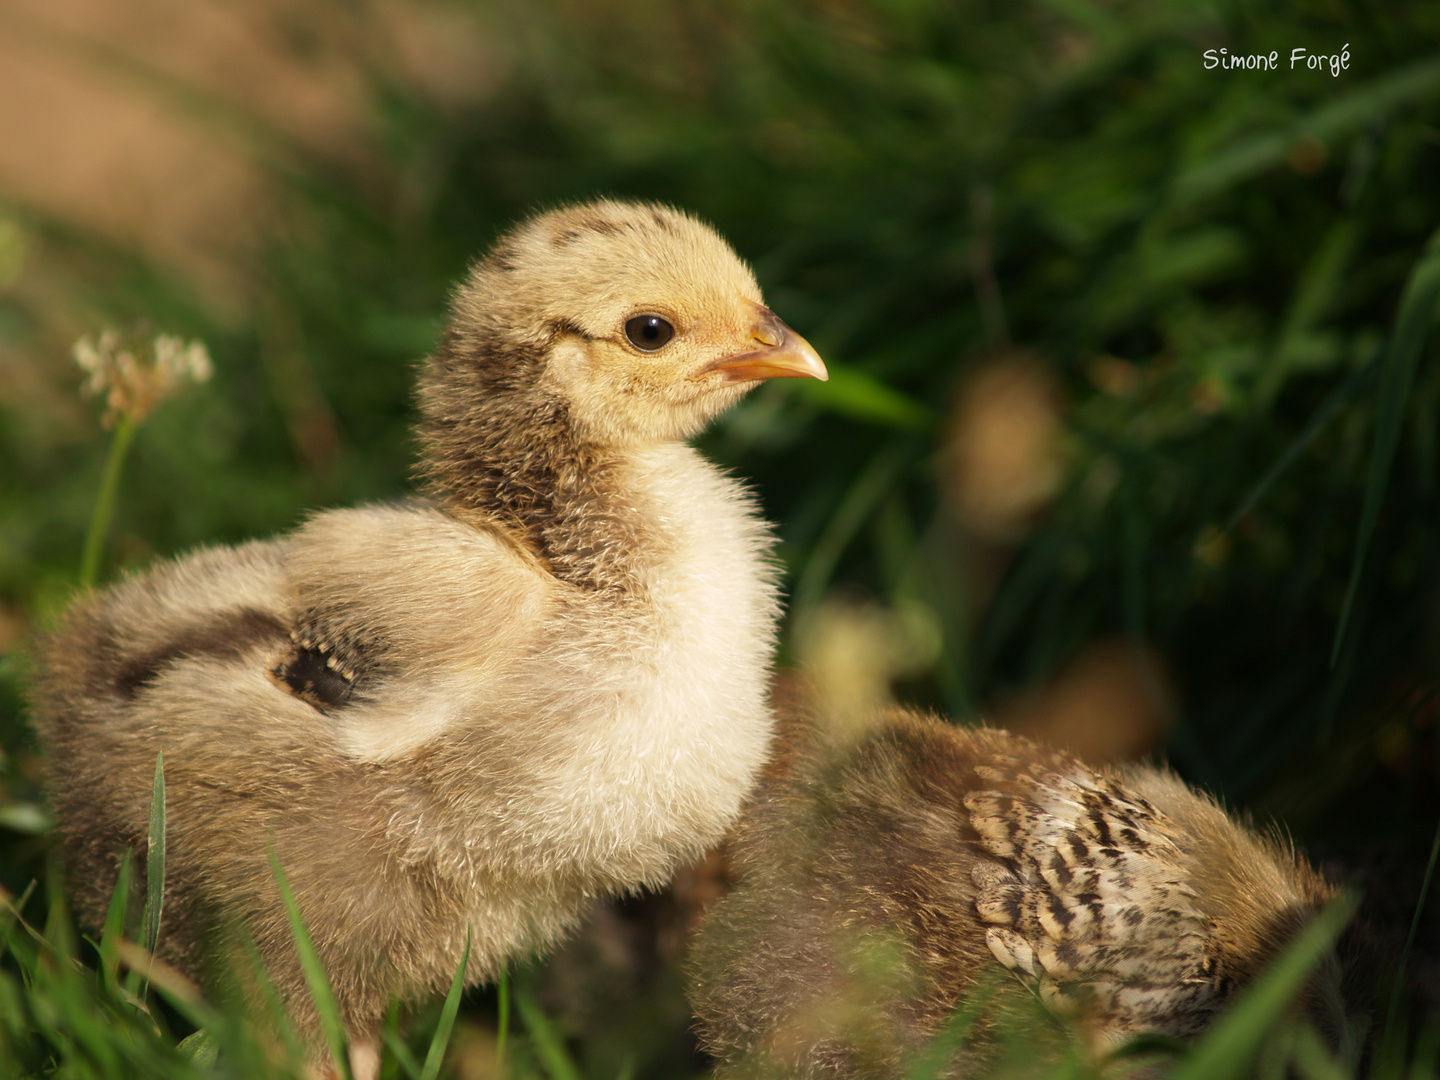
882 883
465 714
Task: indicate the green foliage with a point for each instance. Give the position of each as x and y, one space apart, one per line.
1230 277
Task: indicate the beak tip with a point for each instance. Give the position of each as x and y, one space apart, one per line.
808 363
816 368
789 356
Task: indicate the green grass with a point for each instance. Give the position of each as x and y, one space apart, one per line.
1231 280
62 1018
67 1018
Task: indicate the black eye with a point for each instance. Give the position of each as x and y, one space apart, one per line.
648 332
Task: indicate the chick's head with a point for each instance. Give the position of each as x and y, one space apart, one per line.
639 319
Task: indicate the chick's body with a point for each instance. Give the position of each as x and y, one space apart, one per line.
466 714
888 884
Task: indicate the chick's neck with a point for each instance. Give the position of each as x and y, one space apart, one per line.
503 455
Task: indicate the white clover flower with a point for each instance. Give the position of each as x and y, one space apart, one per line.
136 375
178 360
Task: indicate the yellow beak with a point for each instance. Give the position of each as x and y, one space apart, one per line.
783 354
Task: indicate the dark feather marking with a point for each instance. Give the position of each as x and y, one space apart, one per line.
312 677
226 635
1062 872
1057 909
1102 830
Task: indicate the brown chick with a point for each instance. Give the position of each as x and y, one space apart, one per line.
882 883
463 715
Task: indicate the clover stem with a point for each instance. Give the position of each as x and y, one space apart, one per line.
105 502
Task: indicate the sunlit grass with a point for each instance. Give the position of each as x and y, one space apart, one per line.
63 1018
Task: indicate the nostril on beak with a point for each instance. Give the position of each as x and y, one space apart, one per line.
767 334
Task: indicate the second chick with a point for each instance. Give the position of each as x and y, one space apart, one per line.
886 883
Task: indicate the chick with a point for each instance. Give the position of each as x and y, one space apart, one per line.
883 883
464 715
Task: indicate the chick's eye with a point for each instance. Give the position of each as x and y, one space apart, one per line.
648 332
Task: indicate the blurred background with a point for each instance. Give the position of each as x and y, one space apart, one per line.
1131 440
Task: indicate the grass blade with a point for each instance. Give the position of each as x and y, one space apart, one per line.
391 1040
155 863
201 1048
436 1054
855 507
314 970
1233 1042
82 1034
1313 1060
1392 1013
275 1015
401 1053
503 988
176 988
1412 325
11 907
114 928
548 1047
854 393
1322 416
938 1057
155 858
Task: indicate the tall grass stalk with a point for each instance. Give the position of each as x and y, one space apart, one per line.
114 928
1418 305
155 857
436 1054
932 1061
154 868
1389 1036
549 1046
315 977
503 1033
105 501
